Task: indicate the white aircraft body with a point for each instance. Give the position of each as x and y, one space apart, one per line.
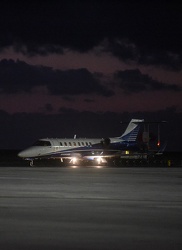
80 149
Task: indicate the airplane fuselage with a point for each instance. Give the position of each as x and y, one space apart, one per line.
84 148
68 147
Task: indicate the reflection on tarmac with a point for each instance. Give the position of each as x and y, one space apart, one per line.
90 208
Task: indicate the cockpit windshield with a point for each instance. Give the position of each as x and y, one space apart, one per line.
42 143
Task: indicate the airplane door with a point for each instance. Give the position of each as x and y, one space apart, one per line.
55 145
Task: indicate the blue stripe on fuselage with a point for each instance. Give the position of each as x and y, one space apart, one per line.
116 146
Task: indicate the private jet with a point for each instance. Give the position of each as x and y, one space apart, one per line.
84 149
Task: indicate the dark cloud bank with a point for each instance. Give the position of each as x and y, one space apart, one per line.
133 81
16 77
148 33
21 77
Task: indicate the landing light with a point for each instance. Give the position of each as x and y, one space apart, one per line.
73 160
99 160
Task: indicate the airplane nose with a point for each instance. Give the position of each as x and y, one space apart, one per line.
25 153
28 153
21 154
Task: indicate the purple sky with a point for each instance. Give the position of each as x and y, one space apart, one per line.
67 57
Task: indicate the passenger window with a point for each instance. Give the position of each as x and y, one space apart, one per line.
79 144
87 143
70 143
65 144
90 143
74 143
61 144
83 143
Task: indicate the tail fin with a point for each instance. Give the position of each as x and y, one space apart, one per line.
132 130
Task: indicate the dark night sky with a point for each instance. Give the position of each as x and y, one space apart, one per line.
81 67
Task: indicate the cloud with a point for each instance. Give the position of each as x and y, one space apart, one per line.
122 49
65 110
21 77
128 52
17 77
146 32
43 28
88 100
74 82
49 107
133 81
164 59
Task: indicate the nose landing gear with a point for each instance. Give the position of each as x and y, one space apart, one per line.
31 163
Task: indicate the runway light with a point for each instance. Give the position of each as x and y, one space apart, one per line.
158 144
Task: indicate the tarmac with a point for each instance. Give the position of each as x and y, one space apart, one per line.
90 208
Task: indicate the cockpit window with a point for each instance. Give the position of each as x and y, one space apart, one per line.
42 143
